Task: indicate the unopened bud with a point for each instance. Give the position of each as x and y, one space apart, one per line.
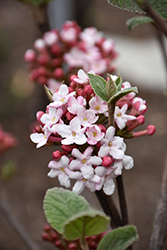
38 115
72 246
30 56
151 129
56 155
59 73
69 116
81 92
107 161
103 129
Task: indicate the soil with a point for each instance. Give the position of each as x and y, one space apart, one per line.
18 105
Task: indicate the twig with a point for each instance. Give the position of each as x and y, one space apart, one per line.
122 200
159 233
159 21
109 208
5 210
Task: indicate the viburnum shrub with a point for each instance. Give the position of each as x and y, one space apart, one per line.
77 118
60 53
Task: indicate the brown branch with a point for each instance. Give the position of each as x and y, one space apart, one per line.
158 237
159 21
5 210
109 208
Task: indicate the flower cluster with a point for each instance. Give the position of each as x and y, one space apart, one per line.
54 237
59 54
91 153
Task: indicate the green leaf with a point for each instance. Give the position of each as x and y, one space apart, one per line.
110 87
122 93
61 205
118 239
159 5
140 20
48 93
118 82
88 223
99 86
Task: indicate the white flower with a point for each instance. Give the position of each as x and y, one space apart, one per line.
40 138
50 38
74 104
73 133
60 170
84 162
112 145
61 96
121 117
94 134
81 183
86 117
139 104
98 105
52 117
107 176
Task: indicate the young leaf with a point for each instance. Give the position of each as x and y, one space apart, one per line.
118 82
99 86
139 20
48 93
122 93
110 87
87 223
118 239
61 205
159 5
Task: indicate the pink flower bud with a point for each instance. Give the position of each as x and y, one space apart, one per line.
69 116
59 73
88 89
107 161
72 246
46 237
81 92
39 45
56 62
30 56
73 84
57 243
42 71
70 89
56 50
67 148
47 228
72 77
134 124
43 59
103 129
42 80
38 115
34 75
151 129
140 105
56 155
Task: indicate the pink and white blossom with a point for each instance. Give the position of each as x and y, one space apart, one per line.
94 134
52 117
121 117
84 162
112 145
98 105
40 138
60 169
86 117
73 133
61 96
75 103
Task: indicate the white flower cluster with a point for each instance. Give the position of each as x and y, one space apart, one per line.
91 154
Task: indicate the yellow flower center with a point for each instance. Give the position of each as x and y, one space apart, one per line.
119 115
83 161
62 169
97 107
94 134
84 179
109 144
53 119
62 100
85 119
73 133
